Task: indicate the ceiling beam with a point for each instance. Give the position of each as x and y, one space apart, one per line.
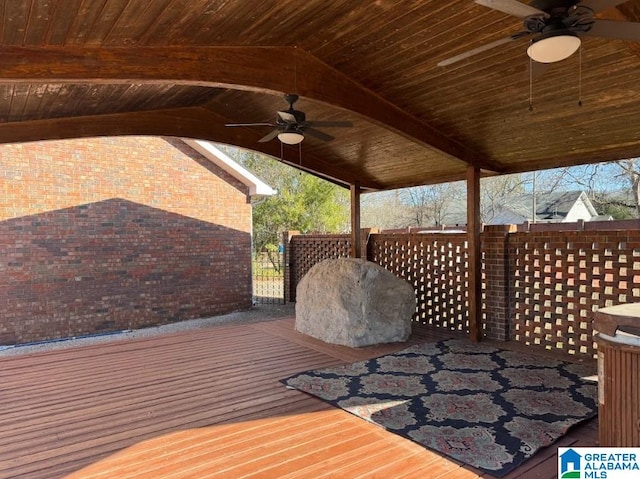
194 122
265 69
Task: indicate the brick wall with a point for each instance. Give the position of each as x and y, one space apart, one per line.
107 234
497 267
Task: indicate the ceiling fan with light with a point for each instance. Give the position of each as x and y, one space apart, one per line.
291 125
555 27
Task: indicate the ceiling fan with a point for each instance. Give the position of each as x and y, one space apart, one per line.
291 125
555 27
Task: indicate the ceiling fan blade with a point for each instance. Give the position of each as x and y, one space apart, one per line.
483 48
512 7
269 136
338 124
600 5
320 135
286 116
249 124
615 30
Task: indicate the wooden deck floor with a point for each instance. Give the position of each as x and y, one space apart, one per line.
202 404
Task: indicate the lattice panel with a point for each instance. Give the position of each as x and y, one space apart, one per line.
436 266
308 250
560 278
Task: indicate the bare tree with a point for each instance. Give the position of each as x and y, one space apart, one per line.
418 201
497 192
631 173
431 205
383 210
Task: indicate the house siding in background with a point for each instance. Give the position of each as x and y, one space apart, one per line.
107 234
553 207
582 209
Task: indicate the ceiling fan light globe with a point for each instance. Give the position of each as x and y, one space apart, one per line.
290 137
553 49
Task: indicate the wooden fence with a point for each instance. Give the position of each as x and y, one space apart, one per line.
541 284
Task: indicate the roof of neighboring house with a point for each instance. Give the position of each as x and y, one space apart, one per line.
257 187
550 206
557 205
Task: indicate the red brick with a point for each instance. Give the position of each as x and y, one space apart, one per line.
117 233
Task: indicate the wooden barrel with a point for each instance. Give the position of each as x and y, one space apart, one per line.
618 377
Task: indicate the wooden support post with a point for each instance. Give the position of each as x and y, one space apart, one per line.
475 258
356 234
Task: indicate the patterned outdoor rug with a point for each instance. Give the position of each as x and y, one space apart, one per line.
486 407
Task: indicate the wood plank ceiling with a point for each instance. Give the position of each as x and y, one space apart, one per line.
73 68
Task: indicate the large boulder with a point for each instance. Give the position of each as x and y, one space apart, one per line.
355 303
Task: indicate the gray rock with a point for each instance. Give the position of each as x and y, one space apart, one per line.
354 302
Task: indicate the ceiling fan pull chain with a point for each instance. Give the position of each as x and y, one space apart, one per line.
300 157
580 76
295 68
530 84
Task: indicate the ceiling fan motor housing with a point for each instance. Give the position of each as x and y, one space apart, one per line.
291 125
534 24
550 5
566 16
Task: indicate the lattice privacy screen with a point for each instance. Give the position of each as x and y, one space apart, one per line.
553 281
308 250
560 278
436 266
